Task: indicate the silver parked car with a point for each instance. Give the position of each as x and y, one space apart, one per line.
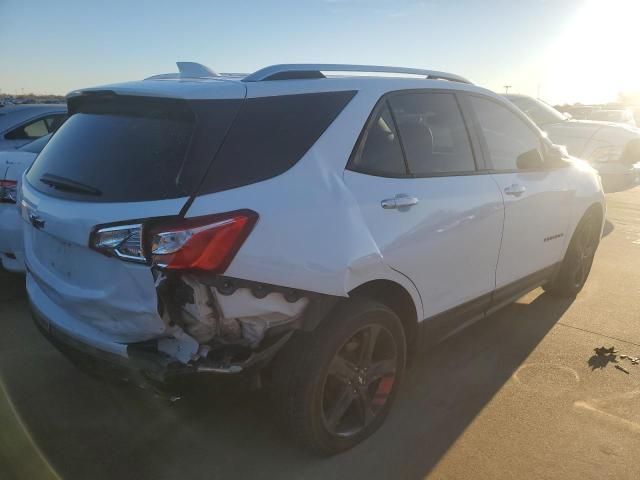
611 148
21 124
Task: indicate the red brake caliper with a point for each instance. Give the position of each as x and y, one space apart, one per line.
383 391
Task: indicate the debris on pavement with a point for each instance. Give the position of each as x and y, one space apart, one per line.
604 356
602 351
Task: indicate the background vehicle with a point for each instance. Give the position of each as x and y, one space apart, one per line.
612 148
12 166
624 115
577 112
21 124
328 264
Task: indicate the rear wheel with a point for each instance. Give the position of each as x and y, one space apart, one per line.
335 386
578 260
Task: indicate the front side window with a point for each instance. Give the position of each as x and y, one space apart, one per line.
381 153
433 133
511 143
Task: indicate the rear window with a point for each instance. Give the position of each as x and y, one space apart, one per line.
127 149
270 135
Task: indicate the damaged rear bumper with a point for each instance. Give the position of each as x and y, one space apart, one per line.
145 359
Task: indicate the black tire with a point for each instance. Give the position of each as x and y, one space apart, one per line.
325 393
575 268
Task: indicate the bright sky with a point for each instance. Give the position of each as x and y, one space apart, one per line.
567 50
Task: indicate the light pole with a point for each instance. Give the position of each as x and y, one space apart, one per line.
506 89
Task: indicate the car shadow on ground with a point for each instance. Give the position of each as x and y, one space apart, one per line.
86 428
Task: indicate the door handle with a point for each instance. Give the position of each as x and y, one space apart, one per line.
516 190
399 201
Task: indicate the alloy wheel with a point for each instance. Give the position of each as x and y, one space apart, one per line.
585 249
359 381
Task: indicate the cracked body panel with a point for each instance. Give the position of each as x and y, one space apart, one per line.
213 319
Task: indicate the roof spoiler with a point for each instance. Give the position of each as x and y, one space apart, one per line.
187 70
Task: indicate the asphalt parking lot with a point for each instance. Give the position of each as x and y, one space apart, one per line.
519 395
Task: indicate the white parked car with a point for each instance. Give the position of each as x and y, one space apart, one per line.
13 164
320 228
611 148
619 115
21 124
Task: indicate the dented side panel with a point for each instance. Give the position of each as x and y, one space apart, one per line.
314 239
309 248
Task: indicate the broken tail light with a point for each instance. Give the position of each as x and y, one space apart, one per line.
206 243
8 191
122 241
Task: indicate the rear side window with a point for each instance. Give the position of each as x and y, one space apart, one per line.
380 153
433 133
270 135
509 140
127 149
36 128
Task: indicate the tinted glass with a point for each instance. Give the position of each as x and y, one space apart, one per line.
129 150
380 153
270 135
433 133
507 136
36 129
54 122
539 112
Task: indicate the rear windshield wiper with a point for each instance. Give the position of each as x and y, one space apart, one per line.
68 185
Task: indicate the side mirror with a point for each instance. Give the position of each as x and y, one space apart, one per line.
530 160
557 155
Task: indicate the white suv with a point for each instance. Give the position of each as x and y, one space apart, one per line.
311 228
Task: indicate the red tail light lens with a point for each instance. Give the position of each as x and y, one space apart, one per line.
203 243
8 191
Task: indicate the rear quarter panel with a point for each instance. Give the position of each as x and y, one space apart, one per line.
310 234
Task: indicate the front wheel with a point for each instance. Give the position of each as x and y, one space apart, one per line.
335 386
578 260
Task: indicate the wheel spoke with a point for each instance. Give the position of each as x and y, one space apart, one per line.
369 340
381 369
340 407
341 369
364 401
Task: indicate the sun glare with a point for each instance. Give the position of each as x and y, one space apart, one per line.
596 57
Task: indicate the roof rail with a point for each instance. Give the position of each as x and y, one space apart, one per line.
314 70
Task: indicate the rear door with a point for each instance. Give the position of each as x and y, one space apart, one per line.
117 159
435 215
536 195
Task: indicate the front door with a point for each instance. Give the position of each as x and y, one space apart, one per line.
536 195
